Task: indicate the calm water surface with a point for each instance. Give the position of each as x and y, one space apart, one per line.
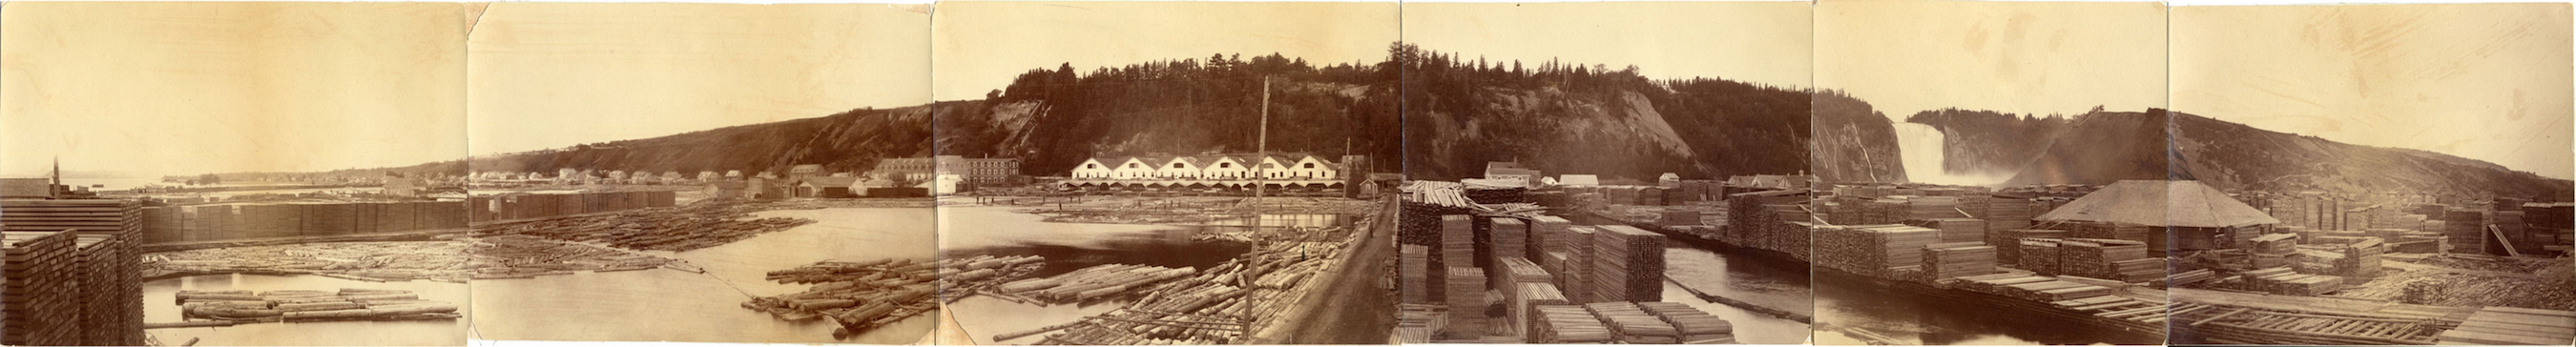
669 305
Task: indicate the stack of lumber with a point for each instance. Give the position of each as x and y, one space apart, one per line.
2361 259
1413 267
1932 207
2111 231
1508 237
1526 299
2108 259
2045 289
1420 223
40 301
1696 327
2465 230
2498 325
2040 256
2515 230
1628 264
2186 278
1576 277
1457 245
1633 325
1548 235
1567 324
1947 260
1957 229
1768 220
2008 242
2284 281
2003 213
1871 249
2275 244
1466 294
1509 272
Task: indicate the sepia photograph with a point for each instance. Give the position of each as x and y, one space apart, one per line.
701 173
1147 173
1827 172
2408 166
1992 173
234 174
1604 173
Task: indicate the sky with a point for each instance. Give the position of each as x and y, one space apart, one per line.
2037 58
1768 42
2485 81
551 75
168 88
980 46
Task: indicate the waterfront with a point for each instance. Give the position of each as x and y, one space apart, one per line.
1765 282
673 305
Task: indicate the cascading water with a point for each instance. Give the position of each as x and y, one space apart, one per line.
1921 146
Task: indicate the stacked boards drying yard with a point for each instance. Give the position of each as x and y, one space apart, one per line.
73 275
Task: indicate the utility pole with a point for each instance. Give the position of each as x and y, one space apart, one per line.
1259 169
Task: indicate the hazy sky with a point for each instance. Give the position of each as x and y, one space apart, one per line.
981 46
2017 57
1763 42
157 88
550 75
2484 81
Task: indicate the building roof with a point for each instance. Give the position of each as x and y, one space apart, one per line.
2160 203
806 169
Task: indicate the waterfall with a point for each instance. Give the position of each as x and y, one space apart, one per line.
1921 145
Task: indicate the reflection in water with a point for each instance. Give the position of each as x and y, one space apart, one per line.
989 230
1769 283
670 305
159 305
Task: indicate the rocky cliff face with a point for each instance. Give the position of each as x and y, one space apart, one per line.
1854 142
2104 147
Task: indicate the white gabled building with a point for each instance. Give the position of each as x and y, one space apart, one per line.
1226 168
1132 168
1094 169
1210 167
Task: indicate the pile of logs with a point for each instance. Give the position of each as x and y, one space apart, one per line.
243 306
856 295
1090 283
680 228
523 256
1215 305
